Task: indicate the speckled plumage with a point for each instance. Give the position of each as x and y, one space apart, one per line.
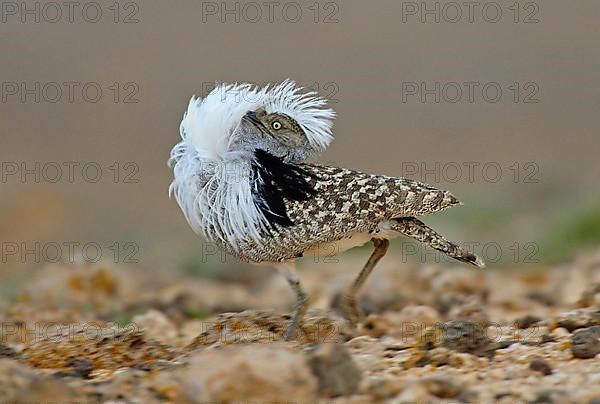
346 202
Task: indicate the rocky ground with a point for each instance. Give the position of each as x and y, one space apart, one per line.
432 334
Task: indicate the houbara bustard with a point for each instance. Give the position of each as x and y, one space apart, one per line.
243 180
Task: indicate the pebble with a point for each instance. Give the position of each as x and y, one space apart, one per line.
586 343
23 384
560 332
261 373
81 367
7 352
526 321
541 365
466 337
156 325
471 311
442 387
411 321
413 393
334 368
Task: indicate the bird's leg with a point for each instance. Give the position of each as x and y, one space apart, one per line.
350 307
288 269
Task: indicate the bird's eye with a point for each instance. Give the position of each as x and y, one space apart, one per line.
276 125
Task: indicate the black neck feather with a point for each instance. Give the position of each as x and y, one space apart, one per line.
277 181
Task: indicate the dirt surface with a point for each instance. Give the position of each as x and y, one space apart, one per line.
432 334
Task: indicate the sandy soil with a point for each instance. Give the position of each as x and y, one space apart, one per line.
432 334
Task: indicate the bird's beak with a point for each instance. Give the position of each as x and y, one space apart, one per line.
251 116
253 120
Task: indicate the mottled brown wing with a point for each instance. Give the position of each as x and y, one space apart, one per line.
377 197
346 202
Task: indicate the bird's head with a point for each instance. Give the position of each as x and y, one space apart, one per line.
275 132
235 120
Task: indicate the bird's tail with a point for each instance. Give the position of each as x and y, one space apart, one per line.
419 231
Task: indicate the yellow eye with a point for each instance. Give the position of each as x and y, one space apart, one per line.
276 125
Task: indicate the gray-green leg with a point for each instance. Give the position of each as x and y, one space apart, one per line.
288 270
350 307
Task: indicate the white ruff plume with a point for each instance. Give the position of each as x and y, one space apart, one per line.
212 183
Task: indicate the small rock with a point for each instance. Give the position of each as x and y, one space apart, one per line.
261 373
252 326
589 297
442 387
470 312
535 335
7 352
19 383
462 281
542 297
156 325
81 367
466 337
526 321
560 332
580 318
444 302
413 393
110 349
574 286
442 357
333 366
384 387
540 365
549 396
367 352
122 386
586 343
411 321
377 325
405 325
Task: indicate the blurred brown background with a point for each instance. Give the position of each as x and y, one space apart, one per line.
543 136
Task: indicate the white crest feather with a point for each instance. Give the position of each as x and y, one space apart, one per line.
308 109
209 123
212 183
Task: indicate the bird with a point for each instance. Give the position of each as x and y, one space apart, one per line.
244 178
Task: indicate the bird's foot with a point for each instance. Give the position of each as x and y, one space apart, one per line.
297 319
351 310
291 329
